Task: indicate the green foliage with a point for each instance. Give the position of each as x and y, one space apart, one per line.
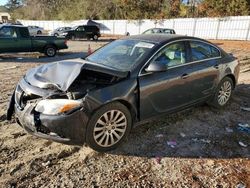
220 8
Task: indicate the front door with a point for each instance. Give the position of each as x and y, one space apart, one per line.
166 91
80 32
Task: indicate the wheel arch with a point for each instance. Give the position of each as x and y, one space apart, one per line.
50 44
232 77
130 107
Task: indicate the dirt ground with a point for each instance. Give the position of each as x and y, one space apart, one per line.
207 151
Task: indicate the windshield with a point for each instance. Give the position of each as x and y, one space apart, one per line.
121 54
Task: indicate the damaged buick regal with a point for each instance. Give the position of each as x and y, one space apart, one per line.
98 99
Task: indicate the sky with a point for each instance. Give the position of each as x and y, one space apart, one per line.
3 2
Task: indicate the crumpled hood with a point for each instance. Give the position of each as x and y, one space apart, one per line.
63 73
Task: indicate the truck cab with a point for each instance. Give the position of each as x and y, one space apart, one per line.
16 38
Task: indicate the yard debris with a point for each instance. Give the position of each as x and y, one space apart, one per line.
182 135
8 68
172 144
229 130
19 134
245 108
242 144
15 169
207 141
244 127
241 185
159 136
46 164
158 159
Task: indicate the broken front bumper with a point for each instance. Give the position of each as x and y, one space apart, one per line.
65 128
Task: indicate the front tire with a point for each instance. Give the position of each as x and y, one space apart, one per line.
50 51
39 32
108 127
223 93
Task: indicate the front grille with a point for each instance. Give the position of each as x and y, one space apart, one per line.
19 96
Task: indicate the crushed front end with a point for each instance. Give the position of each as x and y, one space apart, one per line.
67 126
52 102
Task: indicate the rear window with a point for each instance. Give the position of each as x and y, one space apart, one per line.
201 51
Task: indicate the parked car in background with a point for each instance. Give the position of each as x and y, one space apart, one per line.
159 31
97 100
14 38
83 31
59 31
35 30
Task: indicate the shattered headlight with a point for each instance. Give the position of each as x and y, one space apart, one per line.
56 106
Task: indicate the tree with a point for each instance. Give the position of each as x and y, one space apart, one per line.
220 8
13 4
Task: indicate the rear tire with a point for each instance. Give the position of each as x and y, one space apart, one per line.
223 93
108 127
39 32
95 37
50 51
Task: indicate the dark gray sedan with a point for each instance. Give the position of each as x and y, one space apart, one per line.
97 100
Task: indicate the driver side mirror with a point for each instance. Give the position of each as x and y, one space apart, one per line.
156 66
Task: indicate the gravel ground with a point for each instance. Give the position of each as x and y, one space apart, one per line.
207 151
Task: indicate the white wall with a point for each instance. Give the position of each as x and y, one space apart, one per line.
230 28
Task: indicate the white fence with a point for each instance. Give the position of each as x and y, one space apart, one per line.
230 28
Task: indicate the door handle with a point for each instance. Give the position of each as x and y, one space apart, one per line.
184 76
216 66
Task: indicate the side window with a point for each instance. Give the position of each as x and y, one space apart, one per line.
201 51
80 29
8 32
24 32
172 55
214 52
167 31
148 31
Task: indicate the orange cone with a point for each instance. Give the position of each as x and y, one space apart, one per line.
89 50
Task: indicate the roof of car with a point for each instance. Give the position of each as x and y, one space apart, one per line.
159 28
12 25
159 38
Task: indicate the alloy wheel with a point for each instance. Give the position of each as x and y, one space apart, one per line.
224 93
110 128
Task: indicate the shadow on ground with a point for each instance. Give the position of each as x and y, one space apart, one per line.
198 132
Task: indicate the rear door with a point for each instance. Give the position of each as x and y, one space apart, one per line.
204 65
